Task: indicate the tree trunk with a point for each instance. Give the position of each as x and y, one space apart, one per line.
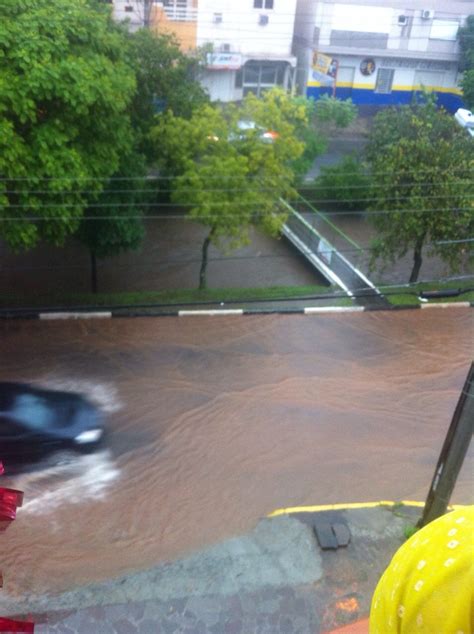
417 259
202 272
93 272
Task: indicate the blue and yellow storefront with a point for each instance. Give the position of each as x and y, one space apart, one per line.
377 82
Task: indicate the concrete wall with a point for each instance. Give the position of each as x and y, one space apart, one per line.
240 27
185 31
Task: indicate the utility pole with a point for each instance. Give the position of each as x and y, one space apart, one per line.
452 454
147 7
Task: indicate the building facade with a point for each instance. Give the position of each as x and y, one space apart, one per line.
380 52
249 41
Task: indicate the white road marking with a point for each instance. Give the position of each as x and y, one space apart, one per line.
76 315
333 309
235 311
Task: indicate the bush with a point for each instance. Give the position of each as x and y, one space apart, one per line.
342 187
340 112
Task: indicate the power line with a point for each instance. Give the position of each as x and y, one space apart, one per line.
276 13
213 216
313 190
460 170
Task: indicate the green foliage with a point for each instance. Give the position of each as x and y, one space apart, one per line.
65 90
410 530
344 187
466 43
166 81
466 40
422 165
468 88
114 222
305 131
231 180
330 110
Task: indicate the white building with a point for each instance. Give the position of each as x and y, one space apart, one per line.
251 40
380 52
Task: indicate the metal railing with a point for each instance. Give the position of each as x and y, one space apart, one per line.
323 254
179 13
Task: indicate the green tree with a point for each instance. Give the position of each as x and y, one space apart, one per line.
466 40
231 179
65 89
114 222
338 112
422 165
166 80
342 187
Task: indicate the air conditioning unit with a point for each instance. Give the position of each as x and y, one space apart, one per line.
427 14
217 19
226 48
263 20
402 20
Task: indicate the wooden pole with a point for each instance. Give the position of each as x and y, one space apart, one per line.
452 454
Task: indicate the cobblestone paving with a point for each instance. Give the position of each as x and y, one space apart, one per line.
273 611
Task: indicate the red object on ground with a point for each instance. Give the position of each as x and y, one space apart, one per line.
361 627
8 625
10 500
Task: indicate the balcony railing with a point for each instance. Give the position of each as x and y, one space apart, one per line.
178 13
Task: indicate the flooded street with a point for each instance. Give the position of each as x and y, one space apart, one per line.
215 422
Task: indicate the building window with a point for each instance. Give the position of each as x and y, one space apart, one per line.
261 76
263 4
444 30
239 78
384 82
129 9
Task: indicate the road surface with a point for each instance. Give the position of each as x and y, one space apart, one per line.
214 422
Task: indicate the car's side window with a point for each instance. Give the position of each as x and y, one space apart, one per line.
33 409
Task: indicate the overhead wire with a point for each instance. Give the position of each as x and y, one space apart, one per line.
167 177
187 217
319 200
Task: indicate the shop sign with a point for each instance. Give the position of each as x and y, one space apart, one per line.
367 66
224 61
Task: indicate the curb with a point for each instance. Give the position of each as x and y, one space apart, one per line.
55 315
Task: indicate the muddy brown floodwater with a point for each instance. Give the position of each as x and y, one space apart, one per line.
214 422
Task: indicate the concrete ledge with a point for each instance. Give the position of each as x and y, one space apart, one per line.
273 310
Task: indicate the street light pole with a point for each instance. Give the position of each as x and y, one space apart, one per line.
452 454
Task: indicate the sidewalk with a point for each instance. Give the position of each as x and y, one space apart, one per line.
276 579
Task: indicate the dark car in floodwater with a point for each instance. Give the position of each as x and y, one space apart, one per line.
35 422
